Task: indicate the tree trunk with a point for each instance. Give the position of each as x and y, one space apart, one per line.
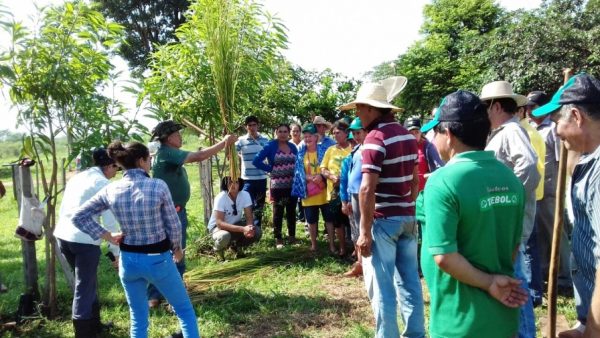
206 188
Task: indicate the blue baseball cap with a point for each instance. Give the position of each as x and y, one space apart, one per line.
580 89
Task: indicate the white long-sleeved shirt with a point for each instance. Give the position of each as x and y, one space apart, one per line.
512 147
79 190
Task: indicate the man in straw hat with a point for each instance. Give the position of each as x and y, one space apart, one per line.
168 166
387 224
577 104
463 275
322 128
509 141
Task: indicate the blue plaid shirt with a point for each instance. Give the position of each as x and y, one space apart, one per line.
142 205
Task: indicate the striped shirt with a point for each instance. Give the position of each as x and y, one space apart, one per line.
248 147
585 194
142 205
390 151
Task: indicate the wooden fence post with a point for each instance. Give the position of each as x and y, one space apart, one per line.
22 184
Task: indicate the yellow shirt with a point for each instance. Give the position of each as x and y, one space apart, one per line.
332 160
539 146
311 167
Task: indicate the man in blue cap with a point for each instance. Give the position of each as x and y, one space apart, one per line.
576 108
470 205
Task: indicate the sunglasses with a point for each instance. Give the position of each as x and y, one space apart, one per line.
234 207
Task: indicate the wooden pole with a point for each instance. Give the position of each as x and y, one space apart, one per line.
556 233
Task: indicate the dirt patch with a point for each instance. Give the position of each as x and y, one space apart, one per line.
347 305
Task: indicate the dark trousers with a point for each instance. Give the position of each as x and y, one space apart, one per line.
153 292
258 191
83 259
282 201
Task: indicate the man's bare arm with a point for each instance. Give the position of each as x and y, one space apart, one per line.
204 154
366 200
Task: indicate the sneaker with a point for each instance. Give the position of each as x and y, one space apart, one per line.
279 244
153 303
3 288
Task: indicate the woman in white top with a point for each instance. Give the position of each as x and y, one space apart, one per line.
226 225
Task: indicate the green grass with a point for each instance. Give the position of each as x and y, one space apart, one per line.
304 297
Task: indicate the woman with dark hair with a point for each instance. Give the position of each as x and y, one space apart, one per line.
331 167
280 155
226 225
151 240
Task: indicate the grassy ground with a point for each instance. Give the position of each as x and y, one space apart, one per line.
304 297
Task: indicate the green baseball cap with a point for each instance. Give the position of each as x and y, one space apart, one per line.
580 89
309 128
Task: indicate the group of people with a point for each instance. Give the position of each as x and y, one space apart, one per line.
476 183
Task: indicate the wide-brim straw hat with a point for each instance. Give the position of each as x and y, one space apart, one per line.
320 120
379 94
501 90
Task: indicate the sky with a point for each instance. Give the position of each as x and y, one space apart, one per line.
347 36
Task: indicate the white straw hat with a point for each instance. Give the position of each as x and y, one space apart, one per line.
500 90
378 94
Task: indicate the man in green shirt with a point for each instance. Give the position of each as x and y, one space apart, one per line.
471 212
168 166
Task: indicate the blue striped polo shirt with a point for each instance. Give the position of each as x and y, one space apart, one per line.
248 147
585 194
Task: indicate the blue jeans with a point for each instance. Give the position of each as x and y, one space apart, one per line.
394 265
532 260
526 316
258 191
153 292
136 270
83 259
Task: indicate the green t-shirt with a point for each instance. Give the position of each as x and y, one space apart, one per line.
168 166
473 206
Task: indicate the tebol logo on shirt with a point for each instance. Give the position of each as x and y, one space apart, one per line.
503 199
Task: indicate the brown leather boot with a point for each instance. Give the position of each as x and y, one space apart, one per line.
355 271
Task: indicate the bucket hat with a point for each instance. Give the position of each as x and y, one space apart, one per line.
501 90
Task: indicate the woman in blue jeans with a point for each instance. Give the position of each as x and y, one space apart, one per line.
151 240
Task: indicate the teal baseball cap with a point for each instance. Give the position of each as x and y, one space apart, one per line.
580 89
356 124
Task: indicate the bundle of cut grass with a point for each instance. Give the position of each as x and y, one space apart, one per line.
201 279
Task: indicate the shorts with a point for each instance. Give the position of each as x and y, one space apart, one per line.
338 218
311 213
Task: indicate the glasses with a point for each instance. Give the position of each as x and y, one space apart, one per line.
234 207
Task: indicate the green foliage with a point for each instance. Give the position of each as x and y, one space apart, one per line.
147 24
467 44
53 76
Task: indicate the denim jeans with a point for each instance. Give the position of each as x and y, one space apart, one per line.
153 292
532 260
393 275
83 259
526 316
258 191
136 270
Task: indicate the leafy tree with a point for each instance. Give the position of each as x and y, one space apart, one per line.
53 75
435 64
146 23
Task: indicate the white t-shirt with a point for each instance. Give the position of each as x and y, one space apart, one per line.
224 203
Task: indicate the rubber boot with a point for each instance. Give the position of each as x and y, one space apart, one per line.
85 328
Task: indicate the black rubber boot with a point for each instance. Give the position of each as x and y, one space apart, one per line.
85 328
